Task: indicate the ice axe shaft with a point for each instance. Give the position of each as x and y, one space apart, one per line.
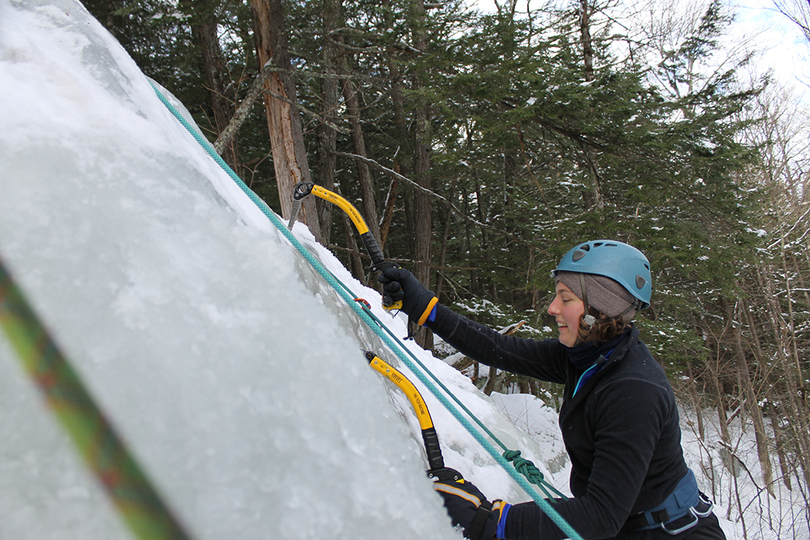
378 262
429 436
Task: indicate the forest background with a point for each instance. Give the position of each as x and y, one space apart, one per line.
480 147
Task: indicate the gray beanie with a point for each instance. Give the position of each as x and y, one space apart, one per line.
604 294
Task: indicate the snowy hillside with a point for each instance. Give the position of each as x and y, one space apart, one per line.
232 369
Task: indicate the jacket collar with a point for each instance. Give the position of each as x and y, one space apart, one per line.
586 355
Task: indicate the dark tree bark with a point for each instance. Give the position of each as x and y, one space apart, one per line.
585 10
778 437
364 178
327 134
594 198
747 389
448 219
396 90
203 25
204 34
418 205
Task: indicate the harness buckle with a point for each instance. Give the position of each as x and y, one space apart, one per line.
701 510
679 530
703 502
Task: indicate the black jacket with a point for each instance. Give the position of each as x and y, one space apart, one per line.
621 428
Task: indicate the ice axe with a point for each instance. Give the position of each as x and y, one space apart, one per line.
378 262
436 466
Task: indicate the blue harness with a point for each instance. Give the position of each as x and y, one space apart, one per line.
685 499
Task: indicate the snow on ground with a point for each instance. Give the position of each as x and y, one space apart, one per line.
731 479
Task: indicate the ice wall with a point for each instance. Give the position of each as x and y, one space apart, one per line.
249 407
224 361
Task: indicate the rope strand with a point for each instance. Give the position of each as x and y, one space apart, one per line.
393 344
137 501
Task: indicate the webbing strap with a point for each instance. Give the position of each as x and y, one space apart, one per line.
93 436
558 520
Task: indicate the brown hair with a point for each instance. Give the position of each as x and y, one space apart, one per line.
603 330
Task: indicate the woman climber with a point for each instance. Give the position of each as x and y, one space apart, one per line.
619 418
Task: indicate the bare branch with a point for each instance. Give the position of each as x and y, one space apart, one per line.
241 113
433 194
798 11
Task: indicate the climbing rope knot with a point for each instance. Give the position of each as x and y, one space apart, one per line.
524 466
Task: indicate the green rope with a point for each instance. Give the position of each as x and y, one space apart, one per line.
394 345
93 436
523 465
531 472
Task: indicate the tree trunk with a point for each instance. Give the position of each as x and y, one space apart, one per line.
355 261
212 68
397 98
400 124
327 134
468 239
696 401
585 10
445 238
747 388
388 215
489 387
350 233
594 199
794 406
369 203
283 119
720 405
483 281
422 205
800 378
327 144
778 437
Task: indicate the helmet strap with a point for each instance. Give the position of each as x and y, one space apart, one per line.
631 306
587 318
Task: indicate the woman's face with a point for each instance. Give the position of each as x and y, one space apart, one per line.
567 308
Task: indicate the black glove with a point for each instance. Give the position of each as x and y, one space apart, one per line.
400 285
468 507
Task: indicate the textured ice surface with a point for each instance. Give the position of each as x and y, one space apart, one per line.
230 368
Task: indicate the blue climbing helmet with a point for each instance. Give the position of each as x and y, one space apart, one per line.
616 260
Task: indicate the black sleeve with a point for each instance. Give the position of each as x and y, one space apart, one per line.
628 418
546 360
